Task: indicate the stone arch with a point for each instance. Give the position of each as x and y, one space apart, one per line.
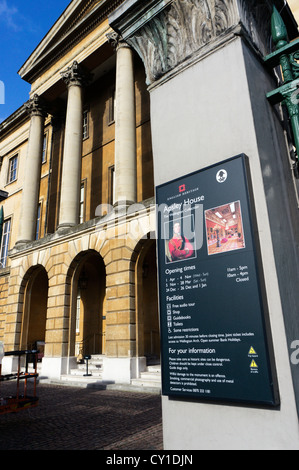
85 299
146 292
33 305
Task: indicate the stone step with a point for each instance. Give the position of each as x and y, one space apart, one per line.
82 372
97 358
90 366
151 378
81 381
146 383
95 367
154 369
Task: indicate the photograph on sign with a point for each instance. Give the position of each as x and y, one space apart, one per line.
181 244
224 227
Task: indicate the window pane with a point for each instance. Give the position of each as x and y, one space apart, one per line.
5 243
112 186
78 311
111 108
44 158
82 197
85 124
38 222
12 174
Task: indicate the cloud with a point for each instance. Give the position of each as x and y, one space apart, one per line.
8 15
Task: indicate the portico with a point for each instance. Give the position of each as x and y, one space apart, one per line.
76 79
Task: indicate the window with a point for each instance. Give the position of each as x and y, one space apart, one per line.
82 200
5 243
111 195
85 124
38 220
111 116
12 170
44 157
78 311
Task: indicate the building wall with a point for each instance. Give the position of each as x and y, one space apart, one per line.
60 258
13 144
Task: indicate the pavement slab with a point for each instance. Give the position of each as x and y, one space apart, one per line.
71 418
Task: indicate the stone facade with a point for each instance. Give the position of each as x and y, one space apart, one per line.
82 150
77 239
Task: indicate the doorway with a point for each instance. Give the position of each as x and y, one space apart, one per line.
148 338
89 306
35 312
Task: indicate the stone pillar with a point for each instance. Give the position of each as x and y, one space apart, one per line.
28 214
74 78
183 45
125 124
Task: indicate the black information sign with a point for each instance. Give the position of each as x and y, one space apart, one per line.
213 330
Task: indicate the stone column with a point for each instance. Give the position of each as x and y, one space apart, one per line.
125 123
74 78
31 185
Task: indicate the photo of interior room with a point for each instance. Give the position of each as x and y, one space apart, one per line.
224 228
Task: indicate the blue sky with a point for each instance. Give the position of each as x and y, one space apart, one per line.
23 24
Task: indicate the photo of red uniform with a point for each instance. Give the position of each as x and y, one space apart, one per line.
179 247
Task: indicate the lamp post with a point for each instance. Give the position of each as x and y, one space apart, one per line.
286 56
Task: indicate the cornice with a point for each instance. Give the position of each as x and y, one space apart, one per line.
14 121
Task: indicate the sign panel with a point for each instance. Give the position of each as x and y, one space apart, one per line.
213 333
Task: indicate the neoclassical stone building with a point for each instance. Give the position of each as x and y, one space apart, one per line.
78 268
127 95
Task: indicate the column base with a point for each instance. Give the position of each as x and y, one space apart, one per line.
121 207
65 228
54 367
9 365
21 243
122 370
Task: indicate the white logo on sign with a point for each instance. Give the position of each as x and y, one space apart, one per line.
221 176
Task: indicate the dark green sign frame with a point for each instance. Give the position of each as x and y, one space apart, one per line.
215 335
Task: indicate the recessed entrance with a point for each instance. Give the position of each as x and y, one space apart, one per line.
148 338
88 307
35 311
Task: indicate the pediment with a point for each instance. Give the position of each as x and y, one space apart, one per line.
77 20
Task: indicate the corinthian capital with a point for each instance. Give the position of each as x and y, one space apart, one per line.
75 75
116 41
178 32
36 106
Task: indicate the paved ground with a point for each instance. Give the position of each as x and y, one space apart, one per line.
70 418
